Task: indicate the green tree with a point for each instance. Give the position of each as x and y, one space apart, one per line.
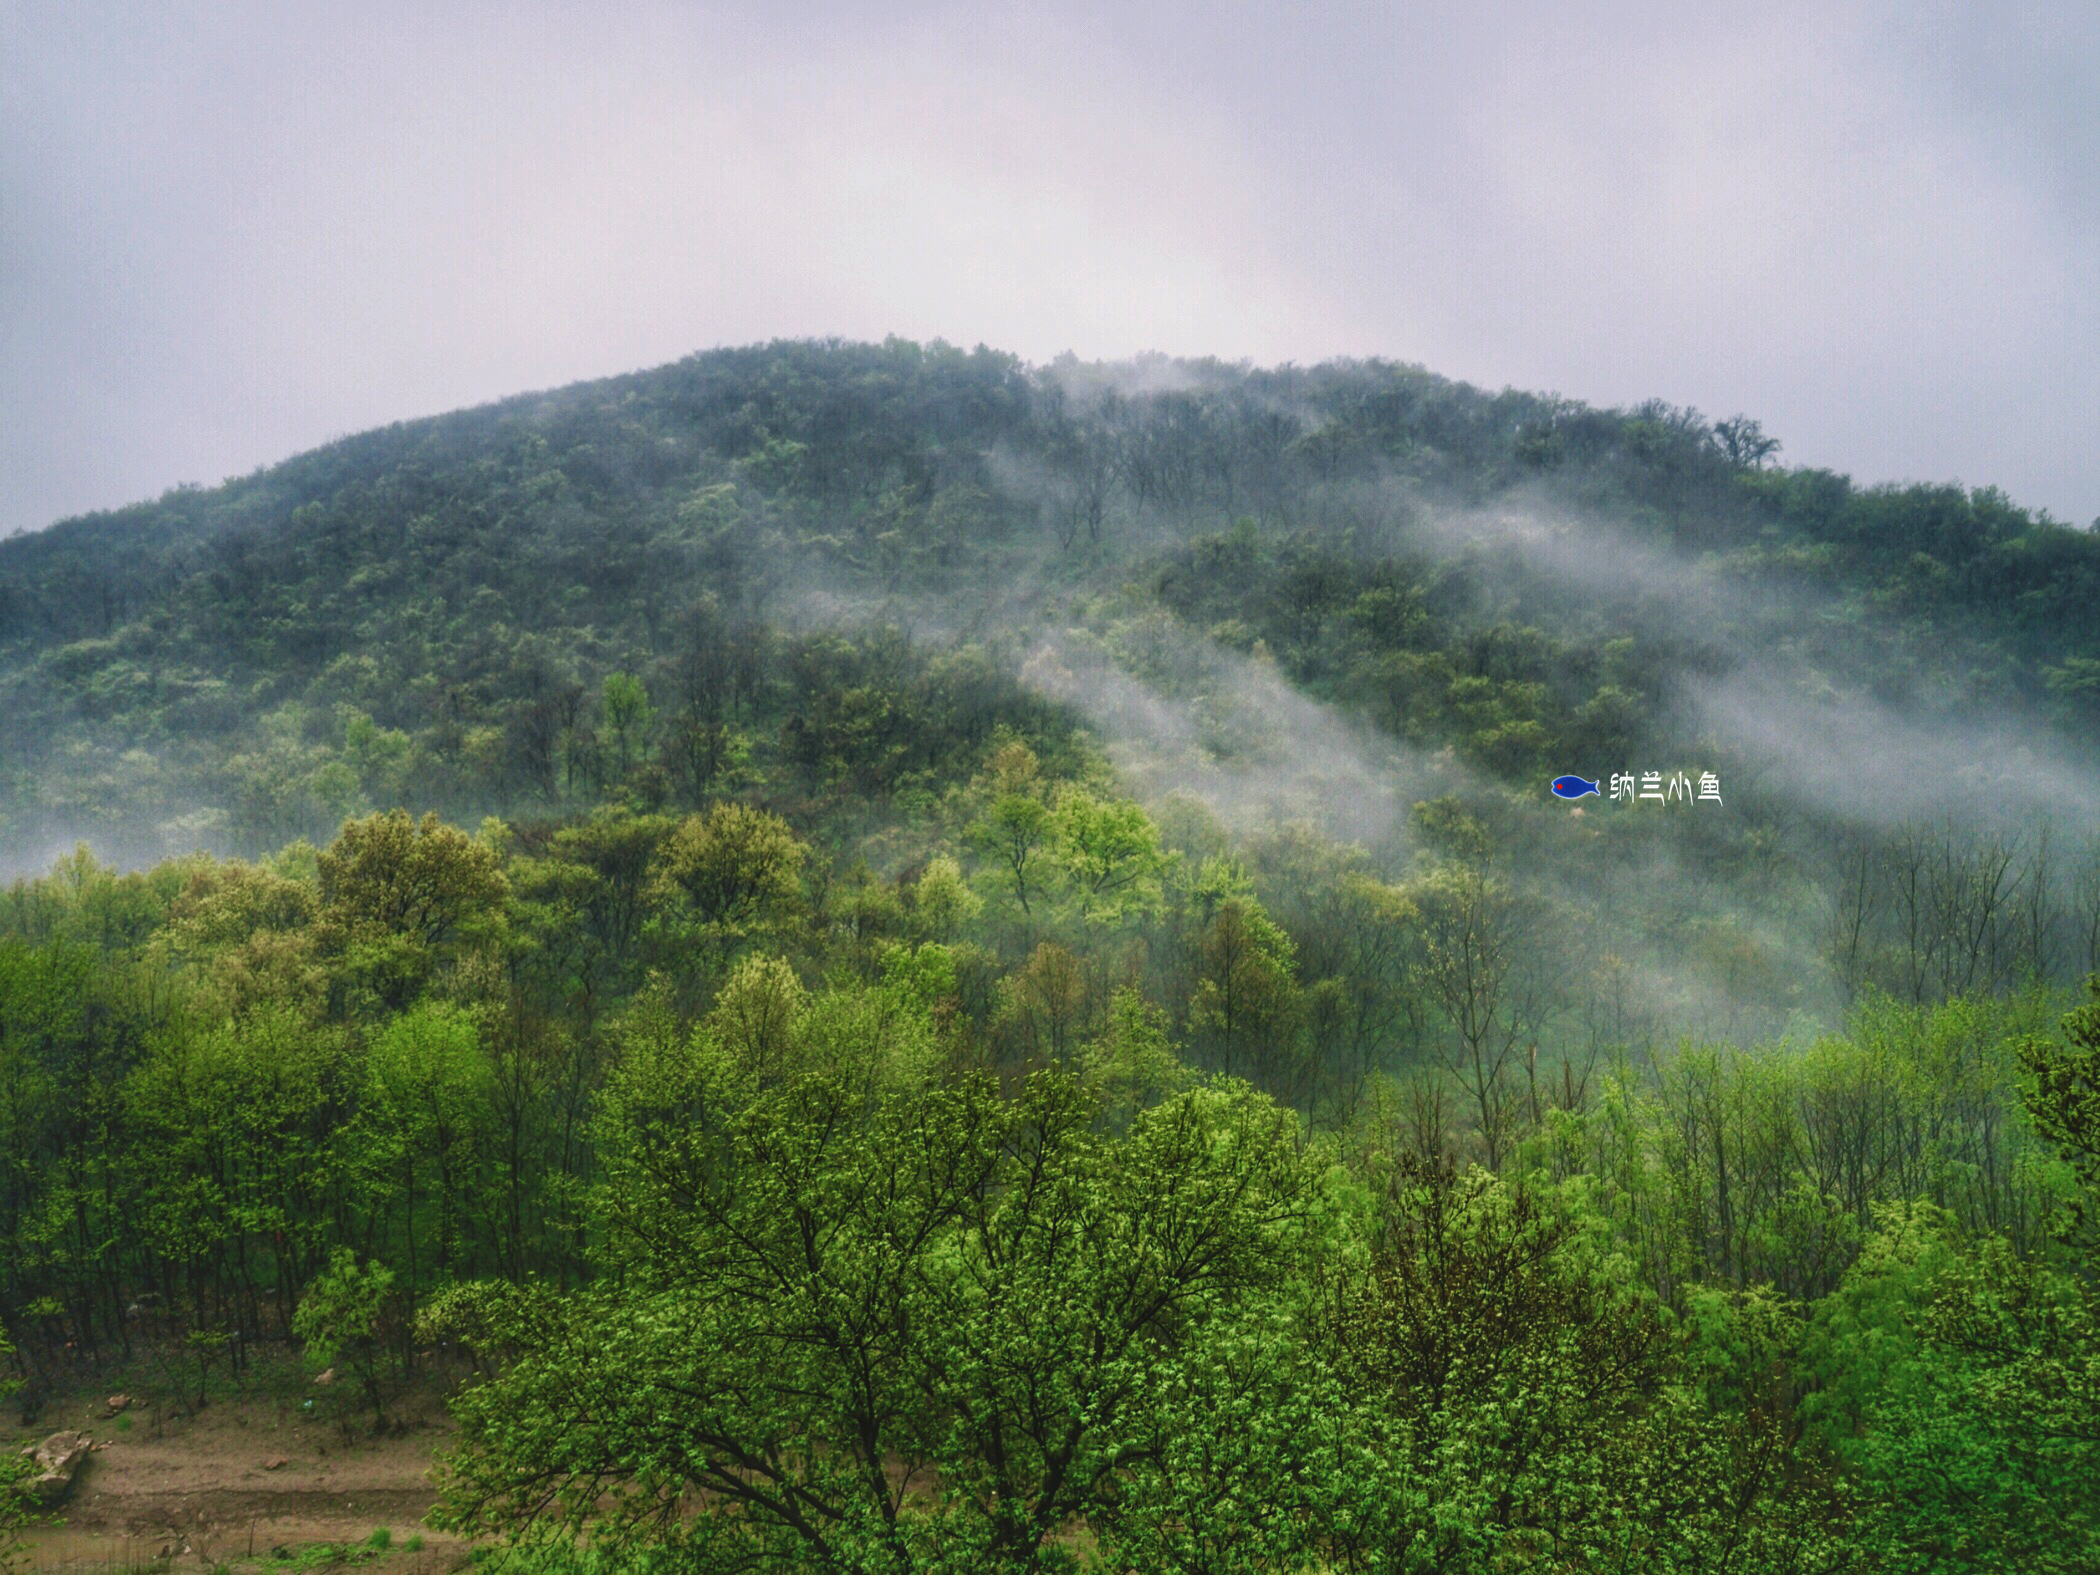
1045 1005
398 896
1017 829
758 1018
238 1126
1132 1062
1246 1004
346 1316
428 1115
2064 1102
1977 1446
940 901
1471 965
1110 854
629 719
251 931
736 866
916 1338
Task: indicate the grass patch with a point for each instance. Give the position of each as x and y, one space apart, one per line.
329 1555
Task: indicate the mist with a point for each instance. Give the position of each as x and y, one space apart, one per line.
1303 598
1768 685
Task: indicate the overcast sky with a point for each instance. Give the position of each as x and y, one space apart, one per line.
230 232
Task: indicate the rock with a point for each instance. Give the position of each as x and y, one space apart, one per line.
118 1403
325 1377
275 1463
58 1460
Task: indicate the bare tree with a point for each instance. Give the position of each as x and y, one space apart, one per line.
1472 932
1970 889
1854 905
2085 908
1744 442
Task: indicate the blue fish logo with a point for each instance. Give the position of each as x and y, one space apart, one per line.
1573 787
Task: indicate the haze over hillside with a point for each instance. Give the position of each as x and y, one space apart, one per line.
1322 595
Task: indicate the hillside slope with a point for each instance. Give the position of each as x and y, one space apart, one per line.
825 574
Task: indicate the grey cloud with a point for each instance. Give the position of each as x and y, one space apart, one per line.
230 232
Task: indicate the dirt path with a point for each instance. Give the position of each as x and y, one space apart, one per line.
241 1481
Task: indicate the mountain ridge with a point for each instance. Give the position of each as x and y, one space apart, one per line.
542 541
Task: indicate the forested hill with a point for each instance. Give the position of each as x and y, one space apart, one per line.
191 670
823 576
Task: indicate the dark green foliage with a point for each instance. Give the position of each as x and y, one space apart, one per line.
562 595
2065 1099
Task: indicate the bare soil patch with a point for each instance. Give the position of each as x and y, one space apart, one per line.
250 1481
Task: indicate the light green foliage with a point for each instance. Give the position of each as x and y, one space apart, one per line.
758 1018
233 1125
1737 1345
2064 1101
876 1038
1133 1061
251 930
737 867
1110 856
428 1116
967 1302
391 875
345 1316
1964 1379
629 719
1795 1301
383 758
1479 1391
398 897
920 978
227 904
711 511
1211 883
864 908
1017 830
941 902
1862 1352
344 1309
1978 1449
